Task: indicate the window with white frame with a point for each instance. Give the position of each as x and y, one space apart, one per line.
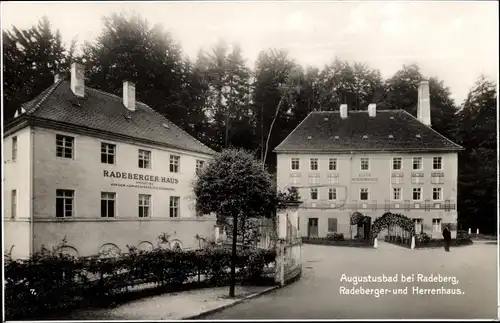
363 194
332 193
332 164
64 146
437 194
14 149
108 200
397 178
108 153
365 164
295 163
144 158
174 163
397 163
314 164
417 178
199 165
144 205
13 204
417 194
436 225
418 225
396 193
437 178
174 206
64 203
314 193
437 163
417 163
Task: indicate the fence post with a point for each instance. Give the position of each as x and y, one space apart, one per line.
477 231
282 263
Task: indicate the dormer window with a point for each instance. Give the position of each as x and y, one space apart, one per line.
391 136
309 137
418 136
336 137
391 117
365 137
326 119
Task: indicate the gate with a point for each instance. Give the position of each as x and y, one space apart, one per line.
288 247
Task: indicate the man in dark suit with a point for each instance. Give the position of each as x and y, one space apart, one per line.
447 238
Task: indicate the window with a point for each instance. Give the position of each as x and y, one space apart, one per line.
436 194
64 203
365 164
417 194
174 163
436 225
397 163
419 223
14 148
314 163
332 164
332 193
437 163
199 165
437 178
107 153
108 205
314 193
13 204
417 163
174 206
363 194
417 178
295 164
144 205
397 178
64 146
332 225
144 158
396 193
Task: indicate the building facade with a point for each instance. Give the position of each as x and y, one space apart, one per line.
99 172
370 162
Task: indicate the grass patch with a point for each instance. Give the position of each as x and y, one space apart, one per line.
339 243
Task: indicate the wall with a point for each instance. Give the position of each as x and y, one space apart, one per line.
85 175
16 176
378 180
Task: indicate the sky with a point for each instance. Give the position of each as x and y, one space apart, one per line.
454 41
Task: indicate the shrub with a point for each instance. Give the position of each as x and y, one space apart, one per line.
335 236
463 238
51 281
422 238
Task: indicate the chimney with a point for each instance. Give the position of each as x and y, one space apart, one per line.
372 110
129 95
78 80
343 111
424 104
57 77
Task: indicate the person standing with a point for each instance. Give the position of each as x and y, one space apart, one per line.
447 238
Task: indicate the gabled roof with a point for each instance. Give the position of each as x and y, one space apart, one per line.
105 112
389 130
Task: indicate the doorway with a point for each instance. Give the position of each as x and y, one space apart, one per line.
312 228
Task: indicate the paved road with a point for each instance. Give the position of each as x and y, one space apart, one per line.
317 294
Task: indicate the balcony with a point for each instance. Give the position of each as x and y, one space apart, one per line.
361 206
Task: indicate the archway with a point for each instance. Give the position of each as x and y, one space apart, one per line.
68 251
145 246
176 245
109 250
392 220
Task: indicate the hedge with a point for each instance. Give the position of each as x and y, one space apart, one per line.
335 241
423 240
51 282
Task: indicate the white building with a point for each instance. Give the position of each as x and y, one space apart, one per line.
370 162
101 170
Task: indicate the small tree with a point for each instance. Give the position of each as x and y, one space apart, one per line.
235 185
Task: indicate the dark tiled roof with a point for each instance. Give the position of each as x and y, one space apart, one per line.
103 111
387 131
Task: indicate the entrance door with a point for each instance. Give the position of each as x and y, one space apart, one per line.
312 227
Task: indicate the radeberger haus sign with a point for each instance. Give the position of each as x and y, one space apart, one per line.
144 181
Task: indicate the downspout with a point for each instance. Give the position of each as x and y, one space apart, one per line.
31 188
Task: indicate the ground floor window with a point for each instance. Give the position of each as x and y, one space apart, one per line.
144 205
64 203
108 204
436 225
174 206
332 225
419 225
